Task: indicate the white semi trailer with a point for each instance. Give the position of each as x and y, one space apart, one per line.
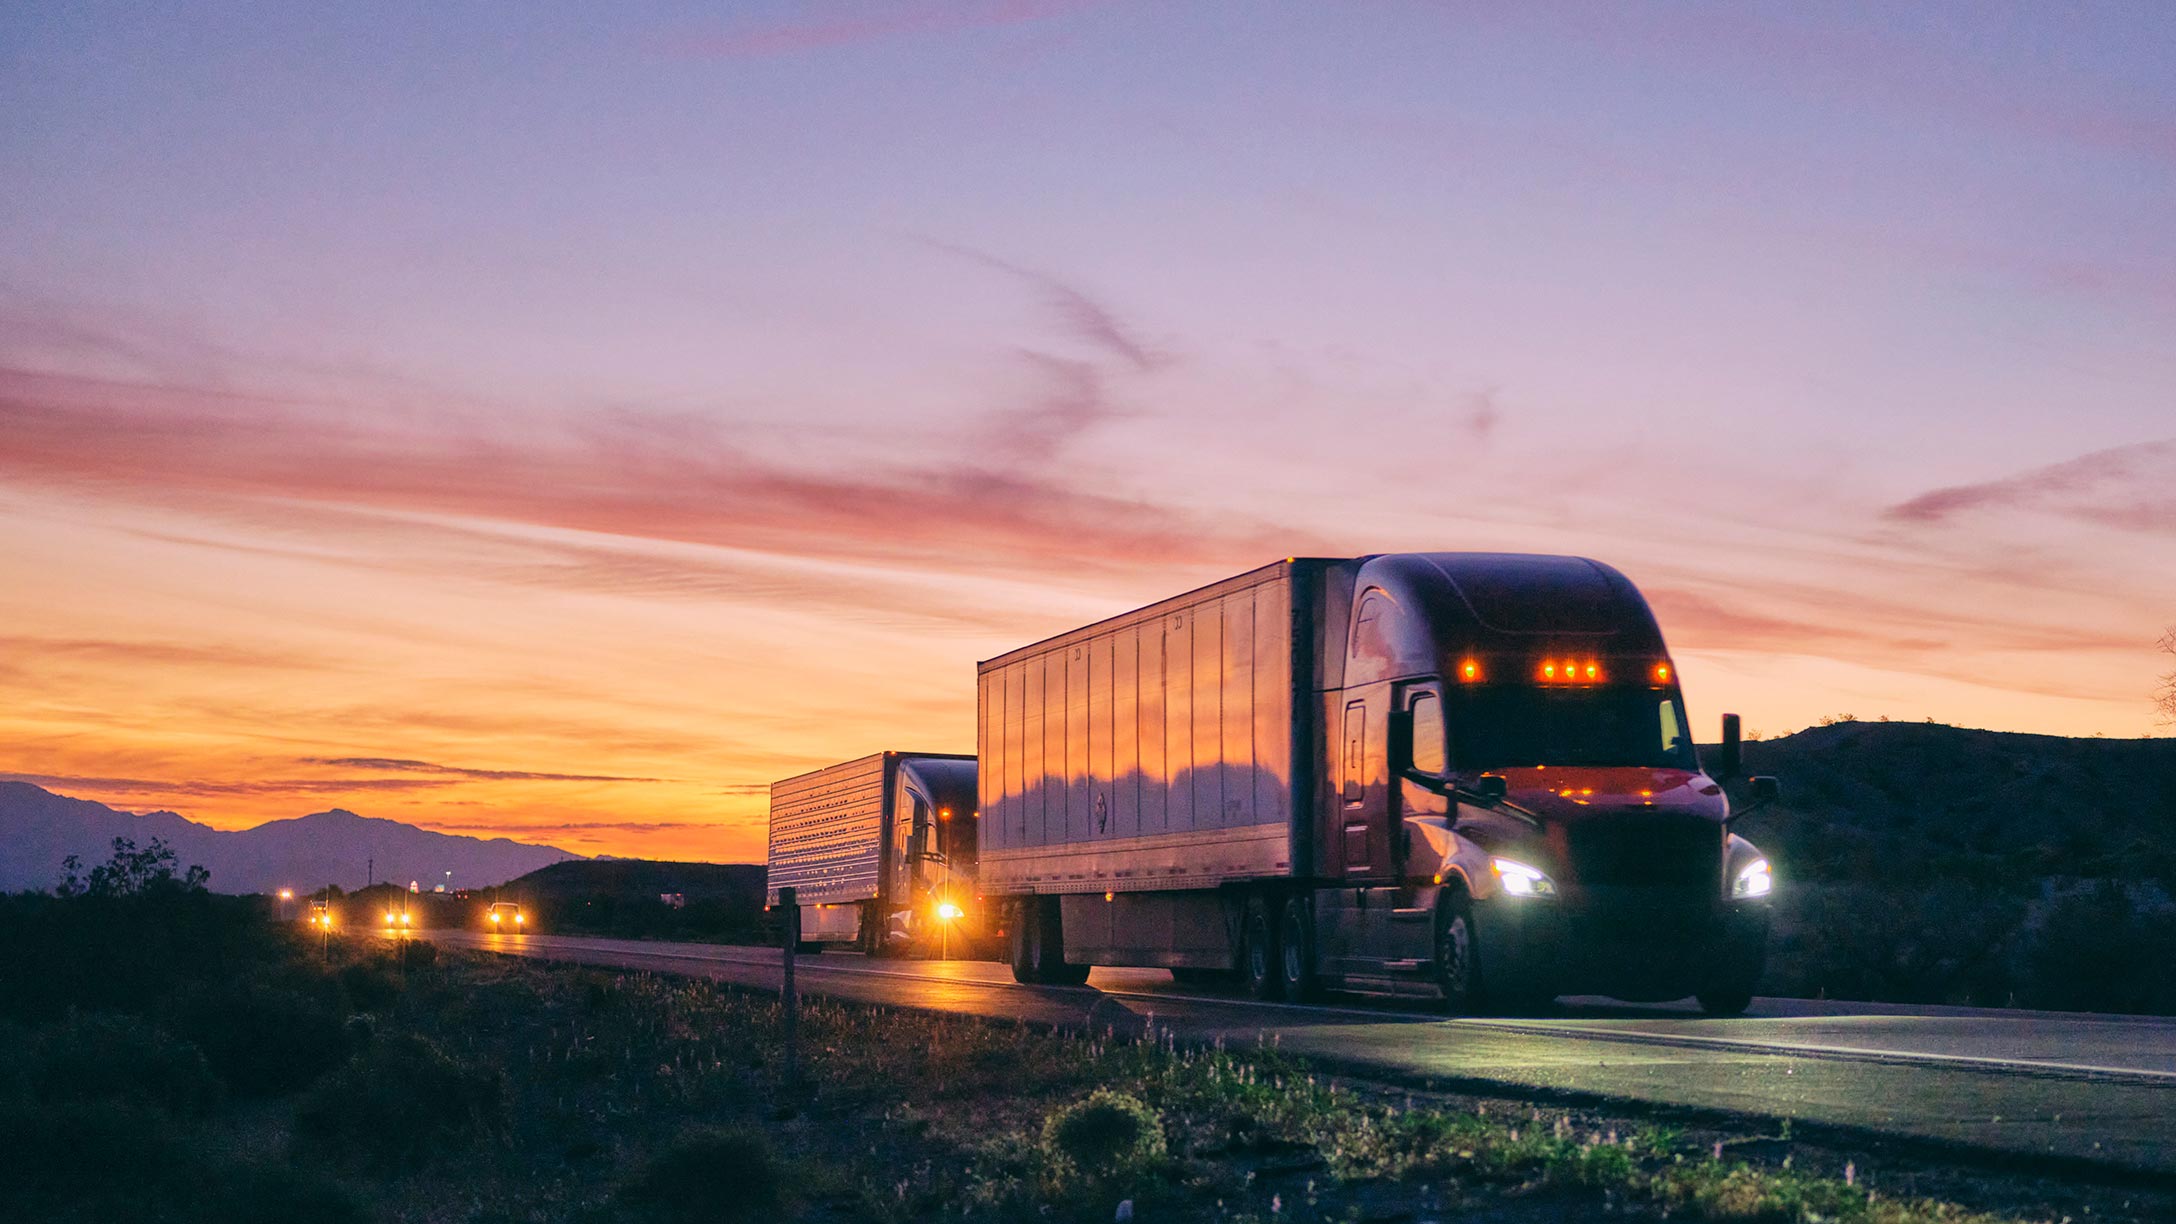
881 854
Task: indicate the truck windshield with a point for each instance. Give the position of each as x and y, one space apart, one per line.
1502 727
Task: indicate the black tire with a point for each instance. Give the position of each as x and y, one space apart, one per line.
1024 941
1042 925
1725 1000
1051 964
1458 964
1296 951
1258 961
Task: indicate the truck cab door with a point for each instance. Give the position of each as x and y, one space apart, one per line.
1364 795
1419 754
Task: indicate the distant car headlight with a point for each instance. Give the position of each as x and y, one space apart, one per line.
520 918
1755 879
494 917
1520 880
389 918
948 911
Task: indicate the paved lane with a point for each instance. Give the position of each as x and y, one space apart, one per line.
2100 1089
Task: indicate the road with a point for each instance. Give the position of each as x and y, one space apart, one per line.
2071 1087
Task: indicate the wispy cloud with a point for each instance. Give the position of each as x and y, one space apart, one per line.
204 788
1087 318
396 765
818 32
638 475
164 654
2132 487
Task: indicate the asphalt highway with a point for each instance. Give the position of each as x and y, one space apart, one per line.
2073 1087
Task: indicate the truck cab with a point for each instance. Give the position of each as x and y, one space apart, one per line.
1516 809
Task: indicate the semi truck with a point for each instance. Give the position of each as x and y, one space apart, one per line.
1468 774
881 854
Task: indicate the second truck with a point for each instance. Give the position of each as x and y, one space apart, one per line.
880 852
1465 773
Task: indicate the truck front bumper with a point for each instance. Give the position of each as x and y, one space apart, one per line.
1633 944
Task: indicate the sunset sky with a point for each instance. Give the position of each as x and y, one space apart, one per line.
561 420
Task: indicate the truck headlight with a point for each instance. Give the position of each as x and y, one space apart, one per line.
1520 880
1753 880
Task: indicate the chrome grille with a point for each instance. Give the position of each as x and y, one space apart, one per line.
1646 851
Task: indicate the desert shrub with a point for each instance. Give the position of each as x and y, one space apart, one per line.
264 1040
124 953
400 1100
112 1160
100 1056
1105 1135
369 986
2098 950
1944 942
708 1175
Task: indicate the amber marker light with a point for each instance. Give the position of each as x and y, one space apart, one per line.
1662 673
1469 671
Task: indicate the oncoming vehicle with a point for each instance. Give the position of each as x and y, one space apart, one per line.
1467 773
399 919
321 916
505 916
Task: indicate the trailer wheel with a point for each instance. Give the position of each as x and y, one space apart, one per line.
1457 968
1725 1000
1023 932
1296 945
1259 965
1038 946
1051 966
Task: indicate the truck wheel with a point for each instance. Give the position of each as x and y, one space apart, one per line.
1457 968
1728 998
1051 966
1258 960
1024 940
1296 943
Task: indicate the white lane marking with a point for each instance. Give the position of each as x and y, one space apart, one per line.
2010 1066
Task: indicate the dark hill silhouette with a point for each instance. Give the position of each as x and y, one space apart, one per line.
1923 863
1879 802
719 901
38 829
644 880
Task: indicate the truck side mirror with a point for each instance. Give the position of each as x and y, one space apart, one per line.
1491 787
1732 756
1765 788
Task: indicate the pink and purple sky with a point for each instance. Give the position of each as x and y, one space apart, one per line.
560 420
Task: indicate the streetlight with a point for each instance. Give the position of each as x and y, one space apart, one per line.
286 895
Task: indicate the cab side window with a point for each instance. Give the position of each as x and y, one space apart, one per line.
1429 754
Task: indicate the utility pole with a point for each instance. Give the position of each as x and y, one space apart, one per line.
370 872
789 902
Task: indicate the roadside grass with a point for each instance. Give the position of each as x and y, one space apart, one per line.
495 1090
